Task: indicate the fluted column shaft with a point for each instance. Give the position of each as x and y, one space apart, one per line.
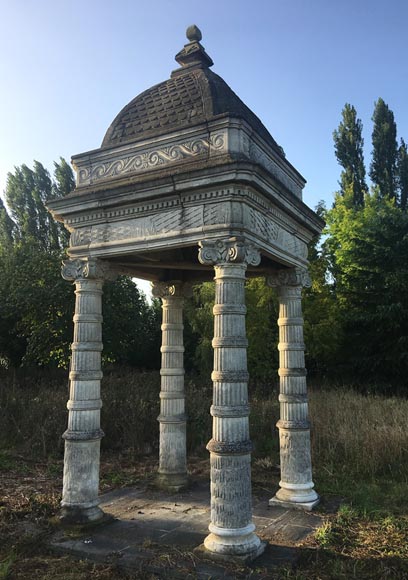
172 472
80 502
296 485
231 528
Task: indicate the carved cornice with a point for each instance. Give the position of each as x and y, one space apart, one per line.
174 289
88 268
290 277
234 250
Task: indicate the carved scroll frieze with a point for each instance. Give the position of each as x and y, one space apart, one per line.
231 250
151 158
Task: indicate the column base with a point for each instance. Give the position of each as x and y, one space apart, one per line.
78 516
295 499
231 545
172 482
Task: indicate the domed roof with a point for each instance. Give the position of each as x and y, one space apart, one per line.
193 95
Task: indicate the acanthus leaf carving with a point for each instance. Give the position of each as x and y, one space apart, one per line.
90 268
231 250
173 288
290 277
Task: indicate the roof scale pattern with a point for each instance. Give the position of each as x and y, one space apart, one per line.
192 95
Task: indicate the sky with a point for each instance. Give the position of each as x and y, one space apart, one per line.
68 67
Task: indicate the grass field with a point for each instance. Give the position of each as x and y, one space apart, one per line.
360 453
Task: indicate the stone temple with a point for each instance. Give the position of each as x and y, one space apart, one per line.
188 184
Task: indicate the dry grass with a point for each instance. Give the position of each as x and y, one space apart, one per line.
364 435
359 446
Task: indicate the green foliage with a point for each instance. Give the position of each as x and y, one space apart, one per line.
403 174
200 326
131 329
368 253
262 332
322 327
37 305
348 146
383 168
6 227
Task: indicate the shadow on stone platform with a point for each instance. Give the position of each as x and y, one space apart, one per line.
157 532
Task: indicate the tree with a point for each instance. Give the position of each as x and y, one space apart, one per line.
368 252
403 174
383 168
6 227
261 329
27 191
348 145
322 325
36 304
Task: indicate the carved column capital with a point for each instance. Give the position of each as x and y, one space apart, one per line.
232 250
173 288
88 268
290 277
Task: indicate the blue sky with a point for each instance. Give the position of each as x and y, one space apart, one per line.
67 68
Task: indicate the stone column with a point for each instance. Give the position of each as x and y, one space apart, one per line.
172 473
82 438
231 528
296 485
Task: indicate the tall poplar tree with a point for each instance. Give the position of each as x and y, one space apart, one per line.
383 168
348 146
6 227
403 174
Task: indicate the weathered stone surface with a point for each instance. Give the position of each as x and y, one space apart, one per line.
172 473
232 531
187 165
296 485
82 438
148 521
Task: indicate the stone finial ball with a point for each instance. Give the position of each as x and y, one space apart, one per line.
193 33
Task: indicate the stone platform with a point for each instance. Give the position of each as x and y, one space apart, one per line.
157 532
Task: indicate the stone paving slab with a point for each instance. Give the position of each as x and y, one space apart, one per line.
147 521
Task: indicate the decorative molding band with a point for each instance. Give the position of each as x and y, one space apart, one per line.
172 395
152 158
230 376
229 447
292 372
172 418
228 308
300 424
290 277
229 411
84 405
83 435
233 250
171 289
229 341
300 398
85 375
171 372
87 268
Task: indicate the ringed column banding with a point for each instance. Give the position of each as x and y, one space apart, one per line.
231 528
80 501
172 472
296 485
